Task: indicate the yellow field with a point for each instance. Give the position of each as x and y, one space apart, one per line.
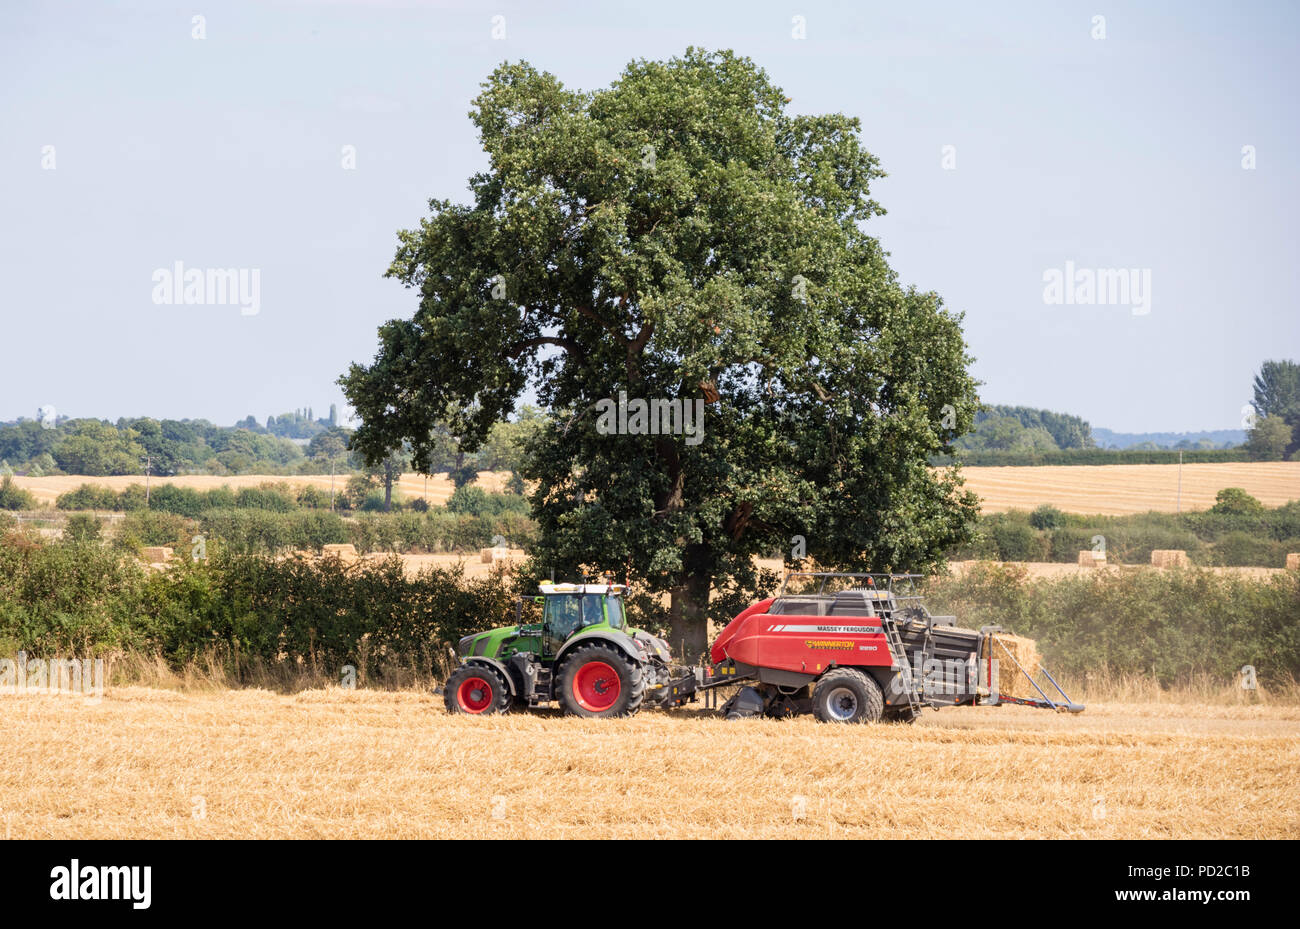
435 489
1108 489
1118 489
335 764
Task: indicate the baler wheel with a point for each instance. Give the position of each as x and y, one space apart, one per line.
476 689
847 696
600 681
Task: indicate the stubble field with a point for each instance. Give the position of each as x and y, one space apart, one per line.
1117 490
1112 490
331 763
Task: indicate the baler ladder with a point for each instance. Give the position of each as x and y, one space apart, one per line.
899 654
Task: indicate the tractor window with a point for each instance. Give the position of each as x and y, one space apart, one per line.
563 615
591 611
614 606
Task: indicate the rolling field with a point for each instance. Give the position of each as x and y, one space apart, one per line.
410 486
329 763
1116 490
1106 489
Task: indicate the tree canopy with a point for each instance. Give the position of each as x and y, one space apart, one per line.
1276 434
680 236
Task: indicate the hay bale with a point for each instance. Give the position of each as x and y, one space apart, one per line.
493 555
1293 561
1090 559
155 554
345 552
1169 558
1010 681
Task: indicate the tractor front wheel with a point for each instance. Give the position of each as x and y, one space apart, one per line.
600 681
476 689
848 696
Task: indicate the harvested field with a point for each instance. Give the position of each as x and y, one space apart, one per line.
1091 489
1050 569
145 763
1115 490
474 566
410 486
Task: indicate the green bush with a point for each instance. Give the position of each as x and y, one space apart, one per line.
1013 536
88 497
82 527
62 598
1047 517
309 497
249 531
1170 623
1235 501
475 501
152 527
1244 548
358 487
1131 542
274 497
134 497
1014 540
13 497
463 476
469 500
183 501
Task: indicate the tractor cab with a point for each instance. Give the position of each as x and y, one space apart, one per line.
568 609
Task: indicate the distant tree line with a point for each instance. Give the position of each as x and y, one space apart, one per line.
1024 429
1019 435
1092 456
292 443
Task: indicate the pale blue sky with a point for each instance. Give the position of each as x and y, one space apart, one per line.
225 152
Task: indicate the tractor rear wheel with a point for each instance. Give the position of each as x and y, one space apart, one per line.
600 681
847 696
476 689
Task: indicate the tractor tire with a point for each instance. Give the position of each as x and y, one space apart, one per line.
599 681
476 689
847 696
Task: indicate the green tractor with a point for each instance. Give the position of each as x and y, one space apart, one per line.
582 655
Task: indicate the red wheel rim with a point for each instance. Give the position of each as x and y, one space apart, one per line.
474 695
596 686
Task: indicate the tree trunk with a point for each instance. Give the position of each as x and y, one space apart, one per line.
688 623
388 486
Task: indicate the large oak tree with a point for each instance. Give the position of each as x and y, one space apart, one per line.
682 235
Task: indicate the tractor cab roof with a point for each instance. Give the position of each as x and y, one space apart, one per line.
549 587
